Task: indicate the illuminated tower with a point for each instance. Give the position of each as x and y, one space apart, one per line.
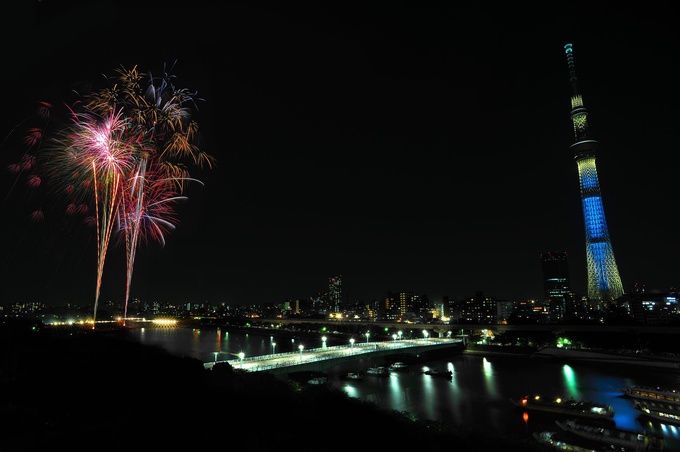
604 283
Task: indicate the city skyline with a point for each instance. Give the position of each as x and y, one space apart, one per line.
420 149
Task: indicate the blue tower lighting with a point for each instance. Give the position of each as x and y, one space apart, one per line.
604 282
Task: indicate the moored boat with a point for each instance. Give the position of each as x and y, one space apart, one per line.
398 366
668 413
551 439
580 408
439 373
613 436
318 381
379 371
354 376
670 395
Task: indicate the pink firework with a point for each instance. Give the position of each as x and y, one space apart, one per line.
93 158
147 213
120 162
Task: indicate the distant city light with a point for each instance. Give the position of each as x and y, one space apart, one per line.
164 322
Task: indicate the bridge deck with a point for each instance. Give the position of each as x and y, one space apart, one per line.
319 359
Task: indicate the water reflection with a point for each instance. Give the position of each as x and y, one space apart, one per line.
476 396
666 430
396 391
428 398
488 379
570 383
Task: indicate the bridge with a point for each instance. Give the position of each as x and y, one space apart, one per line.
321 359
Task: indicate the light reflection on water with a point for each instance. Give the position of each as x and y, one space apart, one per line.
571 385
476 396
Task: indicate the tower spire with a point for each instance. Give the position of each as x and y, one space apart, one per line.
604 282
572 70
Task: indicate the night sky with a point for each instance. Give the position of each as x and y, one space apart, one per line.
420 148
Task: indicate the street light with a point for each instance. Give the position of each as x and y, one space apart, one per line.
394 338
301 347
273 348
241 356
216 353
368 333
351 341
399 333
323 341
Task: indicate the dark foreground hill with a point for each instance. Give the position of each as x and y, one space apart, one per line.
91 390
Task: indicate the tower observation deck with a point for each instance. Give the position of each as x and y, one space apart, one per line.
604 282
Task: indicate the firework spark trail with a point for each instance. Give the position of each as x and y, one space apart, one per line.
109 192
131 226
106 148
148 215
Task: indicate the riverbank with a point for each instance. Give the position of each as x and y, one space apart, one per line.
609 357
65 389
587 356
514 350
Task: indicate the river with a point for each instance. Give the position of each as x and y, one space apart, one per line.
476 397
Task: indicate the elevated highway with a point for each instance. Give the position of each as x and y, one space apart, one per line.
466 329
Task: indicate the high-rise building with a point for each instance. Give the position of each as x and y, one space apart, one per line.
398 303
556 285
479 309
335 293
604 282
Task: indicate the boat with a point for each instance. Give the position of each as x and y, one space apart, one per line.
379 371
318 381
552 439
398 366
671 395
354 376
439 373
668 413
613 436
571 407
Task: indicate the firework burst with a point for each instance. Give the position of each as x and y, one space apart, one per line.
124 155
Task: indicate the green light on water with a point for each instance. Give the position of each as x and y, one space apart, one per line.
570 382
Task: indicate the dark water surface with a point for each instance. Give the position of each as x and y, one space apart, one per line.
476 397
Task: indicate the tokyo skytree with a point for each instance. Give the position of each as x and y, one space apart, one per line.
604 282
